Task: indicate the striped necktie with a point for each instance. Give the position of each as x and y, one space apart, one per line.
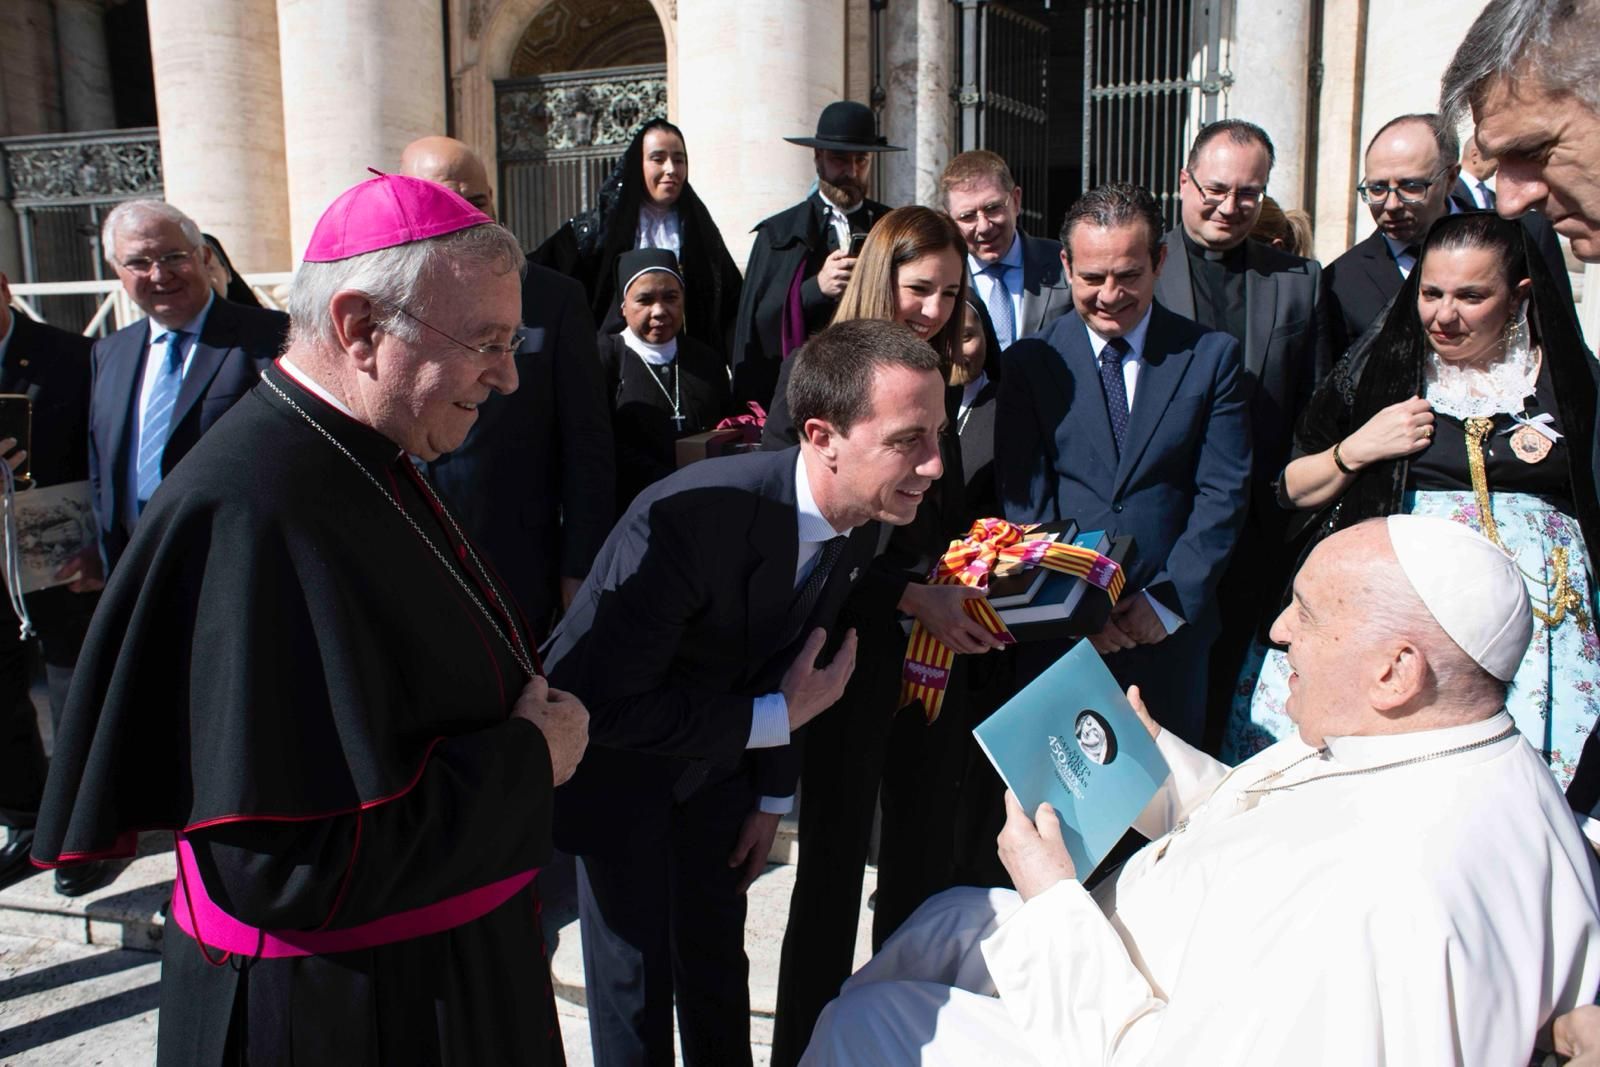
158 414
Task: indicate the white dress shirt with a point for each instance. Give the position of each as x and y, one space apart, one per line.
769 718
154 359
1132 363
839 218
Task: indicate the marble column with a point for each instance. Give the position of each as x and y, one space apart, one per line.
750 74
918 114
1336 155
361 80
85 68
29 77
1269 58
10 235
221 117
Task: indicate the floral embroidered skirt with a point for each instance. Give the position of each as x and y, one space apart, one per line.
1555 696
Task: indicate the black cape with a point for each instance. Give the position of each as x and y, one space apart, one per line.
641 412
783 242
282 668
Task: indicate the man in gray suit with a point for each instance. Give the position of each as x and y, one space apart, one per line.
1017 277
1271 302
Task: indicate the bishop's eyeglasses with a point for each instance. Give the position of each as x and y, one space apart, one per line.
511 347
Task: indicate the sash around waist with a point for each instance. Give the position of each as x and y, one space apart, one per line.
202 919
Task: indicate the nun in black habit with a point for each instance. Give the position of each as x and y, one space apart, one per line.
647 202
662 383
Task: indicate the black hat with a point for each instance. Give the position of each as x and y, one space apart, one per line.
846 126
642 261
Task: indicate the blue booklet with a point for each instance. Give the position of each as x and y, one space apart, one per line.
1071 738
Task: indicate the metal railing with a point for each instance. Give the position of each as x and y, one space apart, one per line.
113 308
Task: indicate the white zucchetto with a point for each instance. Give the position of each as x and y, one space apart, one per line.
1471 587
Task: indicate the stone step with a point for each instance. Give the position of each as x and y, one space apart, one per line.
126 913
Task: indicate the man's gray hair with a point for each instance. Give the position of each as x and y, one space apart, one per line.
394 278
137 213
1550 41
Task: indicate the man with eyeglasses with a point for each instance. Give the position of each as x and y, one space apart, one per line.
1410 169
1016 275
307 672
1272 303
162 382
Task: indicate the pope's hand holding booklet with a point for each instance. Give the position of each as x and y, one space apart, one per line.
1072 740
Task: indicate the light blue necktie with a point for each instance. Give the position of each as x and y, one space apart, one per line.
158 415
998 302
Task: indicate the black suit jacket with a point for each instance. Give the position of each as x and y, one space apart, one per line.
1046 296
235 345
784 242
1364 279
1286 348
534 482
684 620
51 367
981 498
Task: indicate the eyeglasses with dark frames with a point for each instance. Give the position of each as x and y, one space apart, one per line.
1409 190
1214 196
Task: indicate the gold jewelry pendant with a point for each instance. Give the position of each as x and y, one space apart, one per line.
1529 445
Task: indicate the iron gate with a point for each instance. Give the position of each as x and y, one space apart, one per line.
1002 97
1155 71
559 135
62 186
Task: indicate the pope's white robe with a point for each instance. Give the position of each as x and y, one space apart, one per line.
1441 912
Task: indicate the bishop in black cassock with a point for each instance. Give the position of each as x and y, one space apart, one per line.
305 672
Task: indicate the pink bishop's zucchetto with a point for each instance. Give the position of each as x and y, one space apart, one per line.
387 211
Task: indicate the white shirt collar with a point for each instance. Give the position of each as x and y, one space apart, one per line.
1012 258
655 355
970 391
1373 750
1398 250
312 386
1135 337
844 213
814 528
193 326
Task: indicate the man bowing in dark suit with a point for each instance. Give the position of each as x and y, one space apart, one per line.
1128 418
1271 303
694 642
1017 277
162 382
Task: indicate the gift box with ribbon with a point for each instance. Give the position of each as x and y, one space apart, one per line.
996 548
735 434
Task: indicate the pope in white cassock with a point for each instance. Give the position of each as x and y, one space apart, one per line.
1403 883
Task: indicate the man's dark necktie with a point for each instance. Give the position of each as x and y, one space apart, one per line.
1111 357
806 599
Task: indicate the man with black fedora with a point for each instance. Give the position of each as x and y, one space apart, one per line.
802 257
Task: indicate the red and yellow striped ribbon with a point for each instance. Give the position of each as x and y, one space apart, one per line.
993 547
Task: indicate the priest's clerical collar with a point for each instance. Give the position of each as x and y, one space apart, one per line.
1376 749
312 386
1232 258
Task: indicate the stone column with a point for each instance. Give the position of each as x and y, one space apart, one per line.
28 71
918 114
85 68
750 74
361 80
216 79
1336 155
1269 57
